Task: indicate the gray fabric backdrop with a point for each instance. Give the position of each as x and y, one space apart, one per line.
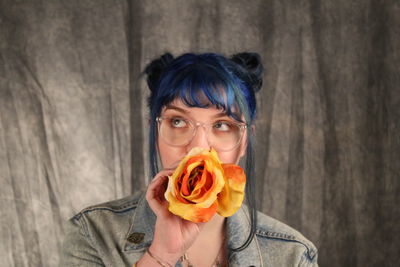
73 118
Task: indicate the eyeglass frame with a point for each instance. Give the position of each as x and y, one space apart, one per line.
242 126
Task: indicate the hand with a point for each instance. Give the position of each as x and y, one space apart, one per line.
173 235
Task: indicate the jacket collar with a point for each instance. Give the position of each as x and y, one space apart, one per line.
238 229
140 235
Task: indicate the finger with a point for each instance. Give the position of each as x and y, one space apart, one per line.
165 172
160 178
156 190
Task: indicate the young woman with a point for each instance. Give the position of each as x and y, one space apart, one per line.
206 101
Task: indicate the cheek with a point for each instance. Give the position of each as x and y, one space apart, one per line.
235 155
232 157
170 156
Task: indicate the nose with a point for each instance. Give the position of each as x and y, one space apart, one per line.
199 139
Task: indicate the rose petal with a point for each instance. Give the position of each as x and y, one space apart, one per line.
201 186
190 167
218 183
231 197
192 212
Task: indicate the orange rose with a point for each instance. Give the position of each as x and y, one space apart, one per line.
201 186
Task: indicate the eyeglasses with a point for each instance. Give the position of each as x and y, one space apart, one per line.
222 135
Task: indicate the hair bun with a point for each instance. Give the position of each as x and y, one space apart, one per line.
155 68
253 68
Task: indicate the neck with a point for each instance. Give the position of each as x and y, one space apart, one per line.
211 237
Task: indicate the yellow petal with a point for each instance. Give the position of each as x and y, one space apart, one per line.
231 197
218 183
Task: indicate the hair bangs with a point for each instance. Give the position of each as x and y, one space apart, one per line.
199 86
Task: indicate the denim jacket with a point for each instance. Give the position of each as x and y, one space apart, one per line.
118 233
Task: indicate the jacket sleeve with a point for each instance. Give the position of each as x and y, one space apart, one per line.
78 249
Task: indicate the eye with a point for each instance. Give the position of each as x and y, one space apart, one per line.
223 126
178 123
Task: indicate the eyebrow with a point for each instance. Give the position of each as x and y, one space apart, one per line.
169 106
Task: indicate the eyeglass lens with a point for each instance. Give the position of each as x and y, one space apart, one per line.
222 135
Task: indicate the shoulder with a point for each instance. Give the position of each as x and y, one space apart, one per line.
119 206
92 231
272 233
108 217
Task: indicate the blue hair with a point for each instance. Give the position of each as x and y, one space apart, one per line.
206 80
190 77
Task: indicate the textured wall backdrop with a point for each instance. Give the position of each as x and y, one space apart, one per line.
73 119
